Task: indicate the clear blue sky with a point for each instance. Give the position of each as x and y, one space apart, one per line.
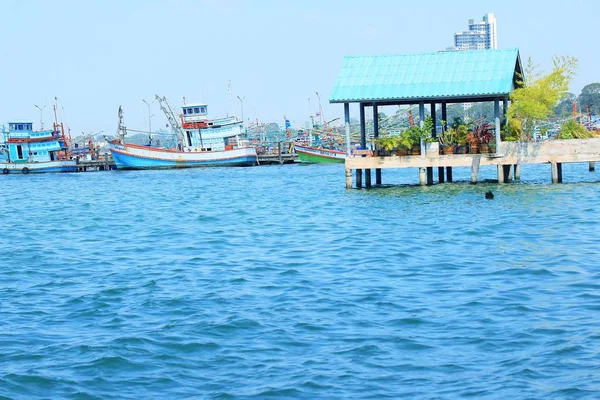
97 55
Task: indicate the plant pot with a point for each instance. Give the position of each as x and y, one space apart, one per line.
484 148
432 148
415 151
473 149
448 149
461 149
402 152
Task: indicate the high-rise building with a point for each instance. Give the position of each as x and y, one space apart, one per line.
481 35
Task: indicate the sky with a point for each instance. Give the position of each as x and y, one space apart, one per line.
95 56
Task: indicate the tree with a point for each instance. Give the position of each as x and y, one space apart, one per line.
565 106
535 101
590 96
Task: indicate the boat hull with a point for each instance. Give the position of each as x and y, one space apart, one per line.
313 155
38 167
129 156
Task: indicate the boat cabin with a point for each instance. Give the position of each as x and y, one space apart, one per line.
26 145
195 112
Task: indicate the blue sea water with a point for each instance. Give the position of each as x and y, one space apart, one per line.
277 282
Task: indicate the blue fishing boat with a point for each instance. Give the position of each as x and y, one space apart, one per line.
196 142
27 151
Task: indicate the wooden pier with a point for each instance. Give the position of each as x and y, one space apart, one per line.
106 164
508 161
267 159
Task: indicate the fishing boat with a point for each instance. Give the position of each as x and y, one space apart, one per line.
196 142
307 154
27 151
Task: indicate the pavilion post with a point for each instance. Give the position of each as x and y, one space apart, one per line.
347 122
504 110
376 135
444 113
363 143
363 134
422 122
433 117
497 120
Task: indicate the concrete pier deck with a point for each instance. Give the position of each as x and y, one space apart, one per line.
510 155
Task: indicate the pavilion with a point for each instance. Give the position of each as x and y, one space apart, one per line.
425 78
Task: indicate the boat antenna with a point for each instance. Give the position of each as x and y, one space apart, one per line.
54 107
231 99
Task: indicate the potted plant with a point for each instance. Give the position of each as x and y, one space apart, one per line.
387 143
483 133
472 142
418 134
447 139
461 135
405 143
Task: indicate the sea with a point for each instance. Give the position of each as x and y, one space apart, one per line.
278 282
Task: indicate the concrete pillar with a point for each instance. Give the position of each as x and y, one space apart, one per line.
517 172
347 122
592 166
441 177
422 180
359 178
554 172
430 176
501 173
378 176
559 171
504 109
363 135
368 177
348 178
475 168
507 173
497 120
449 174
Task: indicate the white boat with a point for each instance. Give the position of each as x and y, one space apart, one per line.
197 142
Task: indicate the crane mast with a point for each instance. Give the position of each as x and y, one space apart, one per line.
166 108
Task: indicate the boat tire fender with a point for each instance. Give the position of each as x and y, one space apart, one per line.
5 171
25 170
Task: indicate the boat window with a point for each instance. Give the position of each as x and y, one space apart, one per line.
184 111
196 110
190 111
19 152
203 110
20 127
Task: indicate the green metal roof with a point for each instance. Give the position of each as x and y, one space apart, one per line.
427 76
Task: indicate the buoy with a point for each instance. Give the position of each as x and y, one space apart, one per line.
489 195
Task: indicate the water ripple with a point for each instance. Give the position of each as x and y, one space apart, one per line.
276 282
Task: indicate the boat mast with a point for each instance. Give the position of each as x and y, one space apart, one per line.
231 99
166 108
121 129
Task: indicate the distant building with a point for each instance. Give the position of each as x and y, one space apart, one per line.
481 35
